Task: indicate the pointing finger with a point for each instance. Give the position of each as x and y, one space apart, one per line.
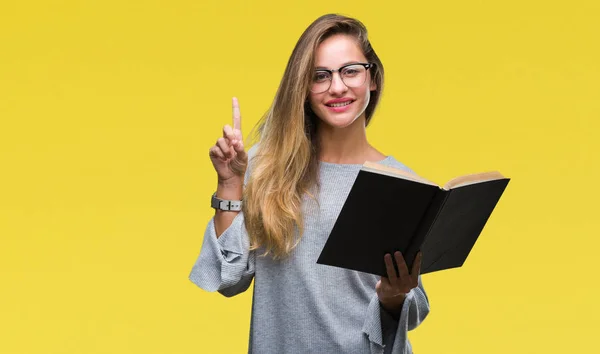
228 133
237 118
238 134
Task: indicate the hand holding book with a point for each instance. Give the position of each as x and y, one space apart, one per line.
392 289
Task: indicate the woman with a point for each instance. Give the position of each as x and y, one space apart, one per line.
293 184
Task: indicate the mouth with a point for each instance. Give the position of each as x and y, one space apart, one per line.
339 107
339 104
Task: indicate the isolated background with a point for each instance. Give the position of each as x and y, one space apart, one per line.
108 109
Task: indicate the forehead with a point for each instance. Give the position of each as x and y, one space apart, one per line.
338 50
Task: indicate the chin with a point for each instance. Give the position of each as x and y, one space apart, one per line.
339 120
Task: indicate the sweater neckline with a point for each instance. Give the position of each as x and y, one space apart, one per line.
332 164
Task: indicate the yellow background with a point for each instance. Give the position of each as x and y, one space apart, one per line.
108 108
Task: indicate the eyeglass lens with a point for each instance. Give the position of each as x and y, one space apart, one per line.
352 76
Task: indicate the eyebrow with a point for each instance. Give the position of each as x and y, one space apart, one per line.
346 63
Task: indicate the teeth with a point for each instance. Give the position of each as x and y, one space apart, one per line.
340 104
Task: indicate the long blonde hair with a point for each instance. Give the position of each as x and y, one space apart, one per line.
285 165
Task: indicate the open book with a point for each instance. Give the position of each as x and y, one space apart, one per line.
390 210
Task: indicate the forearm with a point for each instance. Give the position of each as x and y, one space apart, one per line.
393 306
232 190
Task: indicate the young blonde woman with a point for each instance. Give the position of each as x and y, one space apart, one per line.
276 204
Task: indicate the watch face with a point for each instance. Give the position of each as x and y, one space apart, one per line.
214 203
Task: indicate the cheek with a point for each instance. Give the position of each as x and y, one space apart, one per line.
365 95
313 101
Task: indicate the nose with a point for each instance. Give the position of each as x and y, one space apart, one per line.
337 85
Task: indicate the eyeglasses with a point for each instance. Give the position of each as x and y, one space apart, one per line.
352 75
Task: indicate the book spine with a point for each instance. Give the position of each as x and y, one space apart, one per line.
433 210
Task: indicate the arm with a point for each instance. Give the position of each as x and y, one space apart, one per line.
399 305
227 247
225 263
231 190
414 310
384 330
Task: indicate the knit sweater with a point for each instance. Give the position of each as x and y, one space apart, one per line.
300 306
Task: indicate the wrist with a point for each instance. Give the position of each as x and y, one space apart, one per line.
393 305
230 183
231 190
392 312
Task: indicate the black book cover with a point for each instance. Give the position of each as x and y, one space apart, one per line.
383 214
459 223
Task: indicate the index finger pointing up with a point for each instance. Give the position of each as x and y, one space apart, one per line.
237 118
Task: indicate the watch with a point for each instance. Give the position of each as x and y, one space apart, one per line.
226 205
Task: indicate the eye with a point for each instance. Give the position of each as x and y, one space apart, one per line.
321 76
352 71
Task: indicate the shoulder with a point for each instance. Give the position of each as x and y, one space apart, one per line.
393 162
252 151
389 160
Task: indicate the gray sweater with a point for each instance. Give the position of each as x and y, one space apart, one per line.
300 306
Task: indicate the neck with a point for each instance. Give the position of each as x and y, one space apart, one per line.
347 145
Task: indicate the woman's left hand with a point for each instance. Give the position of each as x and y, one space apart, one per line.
392 289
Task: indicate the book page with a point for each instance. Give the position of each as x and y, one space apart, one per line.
472 179
394 172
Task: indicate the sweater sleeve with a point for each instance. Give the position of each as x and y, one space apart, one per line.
225 264
388 335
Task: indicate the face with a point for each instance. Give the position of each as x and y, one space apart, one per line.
332 105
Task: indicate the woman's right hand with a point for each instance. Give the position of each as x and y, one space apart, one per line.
228 155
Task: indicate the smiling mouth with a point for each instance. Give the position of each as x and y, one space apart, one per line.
341 104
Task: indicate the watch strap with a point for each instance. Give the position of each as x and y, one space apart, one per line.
226 205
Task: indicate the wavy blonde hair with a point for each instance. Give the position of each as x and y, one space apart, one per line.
285 165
